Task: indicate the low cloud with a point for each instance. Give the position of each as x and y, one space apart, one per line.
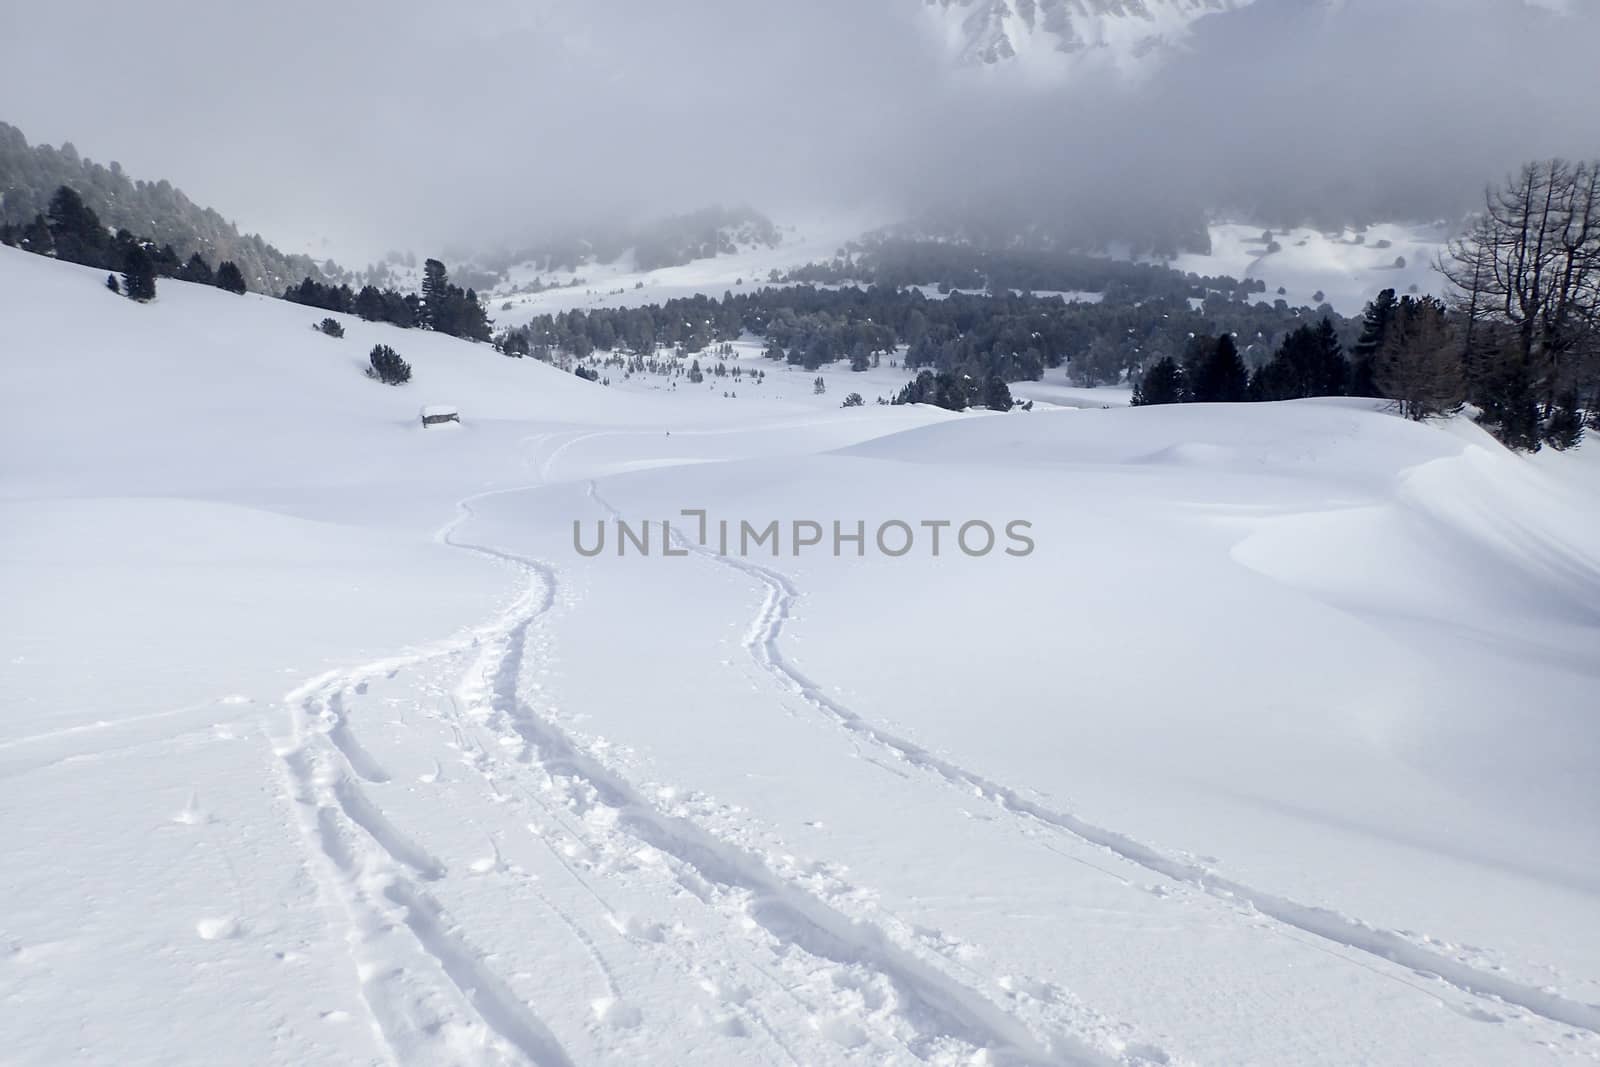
415 124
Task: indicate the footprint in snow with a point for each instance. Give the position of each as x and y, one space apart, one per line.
1142 1053
842 1031
615 1012
487 864
638 929
1042 991
219 928
192 814
727 1025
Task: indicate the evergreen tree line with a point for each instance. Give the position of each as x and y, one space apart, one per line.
954 392
953 266
1010 337
1518 339
31 175
1412 351
72 231
1310 362
441 306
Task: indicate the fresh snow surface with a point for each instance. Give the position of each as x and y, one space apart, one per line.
322 744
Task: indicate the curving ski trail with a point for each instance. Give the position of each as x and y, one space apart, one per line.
935 1005
762 643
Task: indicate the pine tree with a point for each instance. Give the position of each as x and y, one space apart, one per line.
997 395
369 303
1419 366
387 366
1506 390
919 390
166 261
1309 363
1564 429
473 322
229 277
435 296
1374 329
138 274
1222 377
950 391
36 237
1330 371
197 270
1162 384
76 231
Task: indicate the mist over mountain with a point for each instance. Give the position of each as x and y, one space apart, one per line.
371 129
30 175
1056 35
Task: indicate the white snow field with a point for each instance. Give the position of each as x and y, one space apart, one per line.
1346 268
322 743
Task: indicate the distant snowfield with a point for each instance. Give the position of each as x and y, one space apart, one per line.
323 744
1348 268
1344 270
620 284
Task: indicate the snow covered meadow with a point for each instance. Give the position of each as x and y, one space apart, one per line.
323 743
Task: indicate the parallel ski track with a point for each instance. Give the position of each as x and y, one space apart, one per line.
933 1002
378 873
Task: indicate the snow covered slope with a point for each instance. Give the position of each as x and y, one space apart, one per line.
622 283
323 743
1343 269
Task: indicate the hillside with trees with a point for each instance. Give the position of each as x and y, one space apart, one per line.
30 176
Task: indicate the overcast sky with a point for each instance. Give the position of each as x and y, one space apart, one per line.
403 123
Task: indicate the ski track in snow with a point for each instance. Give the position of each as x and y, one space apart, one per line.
429 991
369 865
762 643
935 1006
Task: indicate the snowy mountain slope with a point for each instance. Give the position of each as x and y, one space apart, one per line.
1045 34
624 283
324 744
